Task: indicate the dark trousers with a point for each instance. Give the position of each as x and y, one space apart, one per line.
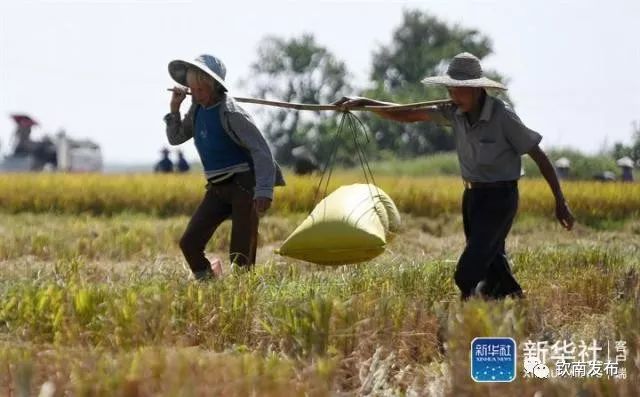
487 215
231 198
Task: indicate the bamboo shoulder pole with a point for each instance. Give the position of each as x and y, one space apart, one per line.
319 107
304 106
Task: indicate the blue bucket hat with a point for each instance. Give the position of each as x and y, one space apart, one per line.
209 64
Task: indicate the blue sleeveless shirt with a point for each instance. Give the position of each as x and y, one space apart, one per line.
218 152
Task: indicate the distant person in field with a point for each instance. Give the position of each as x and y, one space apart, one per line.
563 167
304 162
626 168
182 164
165 165
490 140
238 164
605 176
22 137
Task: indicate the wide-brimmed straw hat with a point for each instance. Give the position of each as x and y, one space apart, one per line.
209 64
625 162
563 162
464 71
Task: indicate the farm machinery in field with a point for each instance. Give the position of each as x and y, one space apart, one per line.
60 153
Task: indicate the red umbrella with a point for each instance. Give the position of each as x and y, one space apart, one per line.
24 120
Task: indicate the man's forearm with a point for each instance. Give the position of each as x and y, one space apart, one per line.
405 116
397 115
548 172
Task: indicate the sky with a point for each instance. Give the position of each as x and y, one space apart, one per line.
98 69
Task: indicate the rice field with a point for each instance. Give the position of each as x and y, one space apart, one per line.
169 195
95 299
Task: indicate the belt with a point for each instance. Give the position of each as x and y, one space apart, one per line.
485 185
225 181
232 180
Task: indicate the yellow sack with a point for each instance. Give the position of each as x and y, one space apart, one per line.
352 224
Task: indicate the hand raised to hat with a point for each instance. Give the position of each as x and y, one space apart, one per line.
179 94
564 215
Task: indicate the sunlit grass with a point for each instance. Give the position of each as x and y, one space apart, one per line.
301 316
95 299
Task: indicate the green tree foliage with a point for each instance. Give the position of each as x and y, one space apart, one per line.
300 70
633 150
422 45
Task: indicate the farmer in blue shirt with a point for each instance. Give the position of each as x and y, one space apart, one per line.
182 164
490 140
165 164
237 161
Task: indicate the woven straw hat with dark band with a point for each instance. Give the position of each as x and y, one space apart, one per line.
464 71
